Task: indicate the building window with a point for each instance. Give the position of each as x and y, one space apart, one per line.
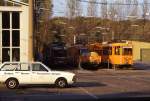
10 36
5 20
15 20
15 54
5 38
16 38
5 54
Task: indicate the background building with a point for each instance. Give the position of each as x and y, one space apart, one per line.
141 51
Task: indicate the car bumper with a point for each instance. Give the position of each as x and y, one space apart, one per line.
74 79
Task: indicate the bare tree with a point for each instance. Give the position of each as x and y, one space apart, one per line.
128 7
26 1
144 17
92 8
78 8
42 13
145 9
134 9
74 8
104 9
113 12
71 8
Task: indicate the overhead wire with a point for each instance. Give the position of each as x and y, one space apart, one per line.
109 3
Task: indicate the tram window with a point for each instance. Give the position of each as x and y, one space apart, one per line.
127 51
117 50
107 51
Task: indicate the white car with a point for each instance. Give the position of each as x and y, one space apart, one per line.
14 74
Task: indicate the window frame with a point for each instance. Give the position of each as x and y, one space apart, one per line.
20 69
11 29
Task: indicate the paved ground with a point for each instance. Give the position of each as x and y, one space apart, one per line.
91 85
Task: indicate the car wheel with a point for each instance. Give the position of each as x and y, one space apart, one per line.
12 83
61 83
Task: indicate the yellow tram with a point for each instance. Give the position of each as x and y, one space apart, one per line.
118 54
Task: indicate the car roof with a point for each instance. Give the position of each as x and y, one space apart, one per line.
21 62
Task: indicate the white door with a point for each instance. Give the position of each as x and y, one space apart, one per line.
40 75
23 73
8 70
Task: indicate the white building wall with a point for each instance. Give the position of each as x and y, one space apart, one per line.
24 34
0 38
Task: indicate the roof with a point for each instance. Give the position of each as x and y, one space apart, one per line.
30 62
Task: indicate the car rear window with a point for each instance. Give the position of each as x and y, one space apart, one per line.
9 67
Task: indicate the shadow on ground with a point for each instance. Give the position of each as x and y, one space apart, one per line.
89 84
141 66
77 84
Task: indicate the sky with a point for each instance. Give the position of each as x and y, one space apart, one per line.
60 9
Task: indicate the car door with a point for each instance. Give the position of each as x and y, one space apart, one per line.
23 73
40 74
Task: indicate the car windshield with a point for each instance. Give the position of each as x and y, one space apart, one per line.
127 51
84 52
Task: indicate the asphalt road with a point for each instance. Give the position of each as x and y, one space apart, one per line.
91 85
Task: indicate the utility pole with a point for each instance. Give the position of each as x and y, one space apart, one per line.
74 8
